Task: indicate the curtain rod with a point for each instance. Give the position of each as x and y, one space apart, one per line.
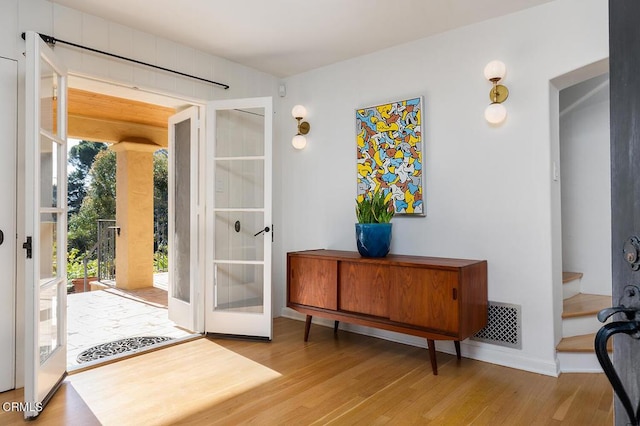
53 41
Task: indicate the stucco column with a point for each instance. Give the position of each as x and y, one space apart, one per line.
134 213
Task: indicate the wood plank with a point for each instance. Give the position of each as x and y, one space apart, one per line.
583 343
111 108
584 304
474 297
348 380
102 118
364 288
424 297
313 283
65 408
567 277
391 259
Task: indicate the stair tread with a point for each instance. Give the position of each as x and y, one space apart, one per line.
567 277
584 304
583 343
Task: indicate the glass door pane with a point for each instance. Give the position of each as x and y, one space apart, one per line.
49 321
48 248
239 210
52 241
235 236
49 160
239 132
240 182
239 288
184 236
182 204
48 97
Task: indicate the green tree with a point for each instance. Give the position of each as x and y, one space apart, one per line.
160 201
102 188
81 158
99 203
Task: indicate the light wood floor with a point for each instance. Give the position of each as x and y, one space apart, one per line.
350 379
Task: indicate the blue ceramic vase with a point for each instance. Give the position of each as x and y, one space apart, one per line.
373 239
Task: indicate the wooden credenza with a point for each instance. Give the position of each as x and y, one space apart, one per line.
435 298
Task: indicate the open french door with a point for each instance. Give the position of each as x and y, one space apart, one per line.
184 216
45 224
238 218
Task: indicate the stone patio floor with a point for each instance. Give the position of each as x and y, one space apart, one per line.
103 316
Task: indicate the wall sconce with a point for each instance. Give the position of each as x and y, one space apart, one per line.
299 141
496 112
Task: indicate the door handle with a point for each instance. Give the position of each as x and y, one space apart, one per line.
604 334
1 237
629 305
604 314
266 229
28 246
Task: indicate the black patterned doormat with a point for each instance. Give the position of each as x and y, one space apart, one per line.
118 347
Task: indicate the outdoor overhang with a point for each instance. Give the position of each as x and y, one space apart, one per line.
102 118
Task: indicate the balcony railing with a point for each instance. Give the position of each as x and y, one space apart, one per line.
106 249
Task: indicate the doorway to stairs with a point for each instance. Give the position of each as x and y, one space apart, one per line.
586 217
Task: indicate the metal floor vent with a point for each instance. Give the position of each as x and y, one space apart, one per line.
503 326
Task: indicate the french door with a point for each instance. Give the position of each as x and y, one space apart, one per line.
45 246
184 220
239 226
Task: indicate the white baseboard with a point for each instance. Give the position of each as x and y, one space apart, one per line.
469 349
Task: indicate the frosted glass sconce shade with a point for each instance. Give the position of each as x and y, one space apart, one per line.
495 70
496 113
299 111
299 141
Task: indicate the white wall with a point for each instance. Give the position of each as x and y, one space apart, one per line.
586 183
39 15
488 190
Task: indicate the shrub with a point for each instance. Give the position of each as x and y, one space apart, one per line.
75 265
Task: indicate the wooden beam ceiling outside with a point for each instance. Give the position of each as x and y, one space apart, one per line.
102 118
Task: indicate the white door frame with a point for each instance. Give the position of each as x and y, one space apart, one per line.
8 87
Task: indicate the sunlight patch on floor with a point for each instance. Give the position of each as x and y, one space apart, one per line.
153 387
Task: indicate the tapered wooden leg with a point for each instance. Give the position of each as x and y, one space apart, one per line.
307 326
432 356
457 345
335 327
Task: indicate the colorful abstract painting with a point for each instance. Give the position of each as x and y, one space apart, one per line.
390 153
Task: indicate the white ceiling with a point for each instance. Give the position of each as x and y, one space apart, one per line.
286 37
